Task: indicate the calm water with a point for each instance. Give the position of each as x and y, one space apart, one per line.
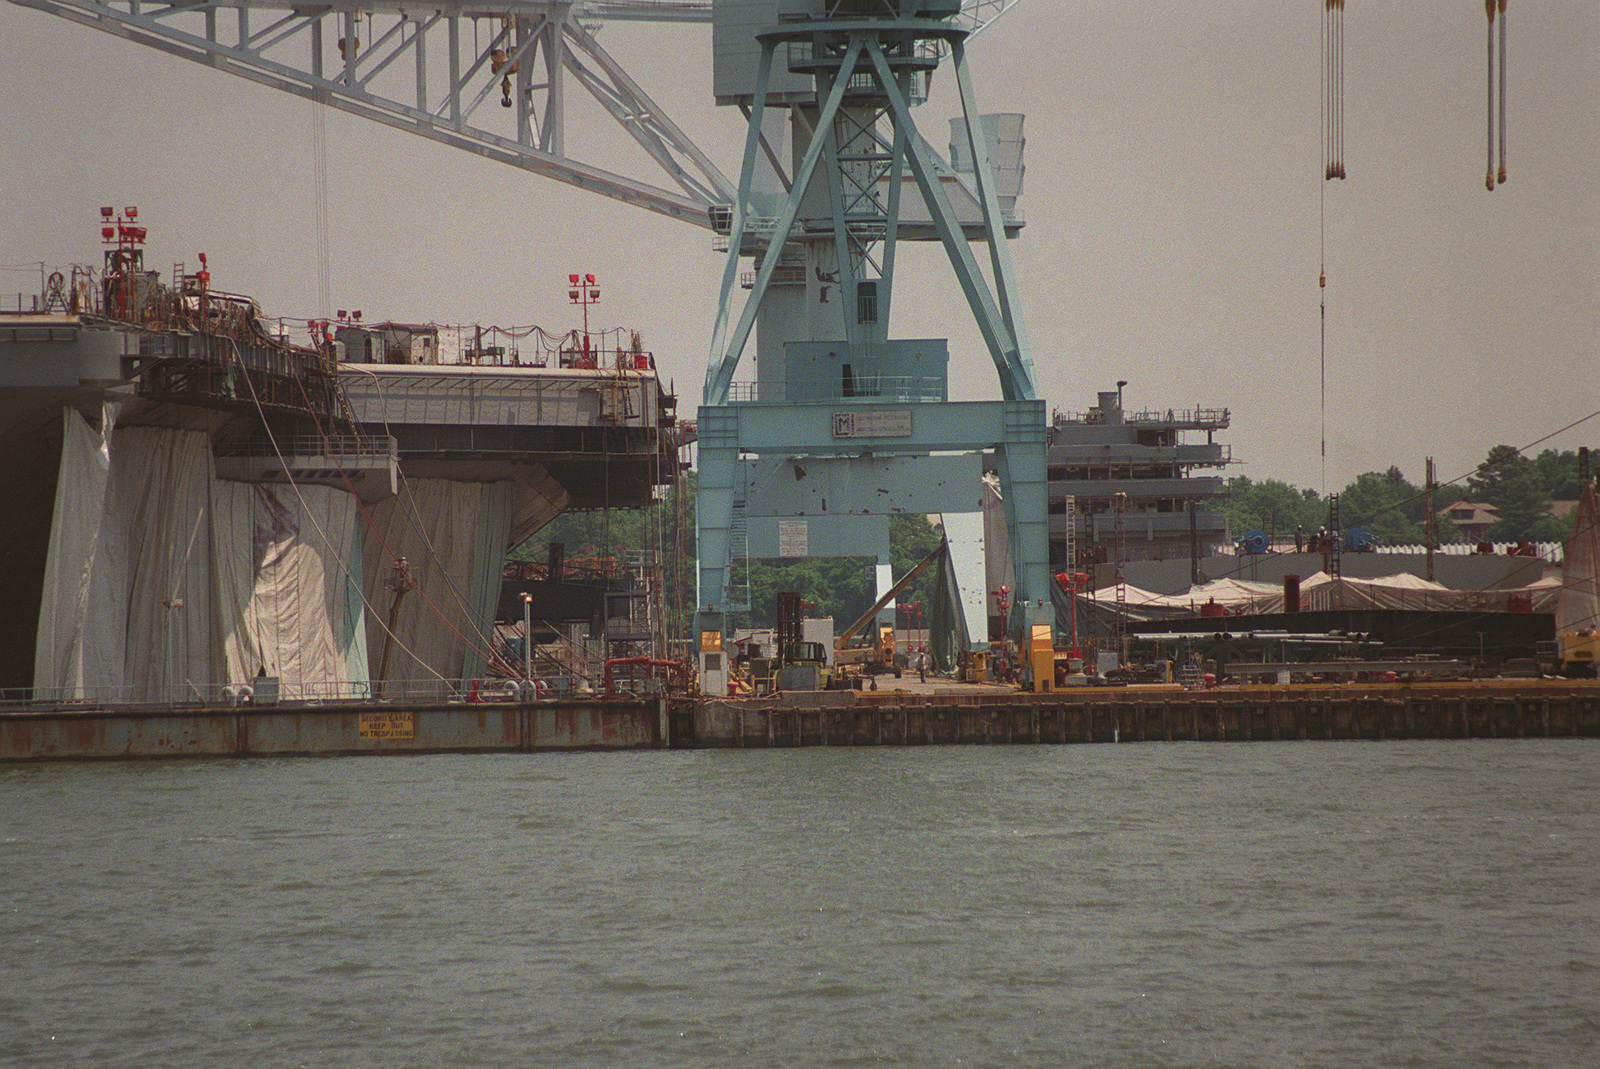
1297 904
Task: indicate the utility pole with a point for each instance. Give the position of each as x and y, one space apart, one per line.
1432 520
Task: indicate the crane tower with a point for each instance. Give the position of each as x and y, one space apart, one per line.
842 424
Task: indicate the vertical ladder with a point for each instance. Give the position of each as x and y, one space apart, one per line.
1072 533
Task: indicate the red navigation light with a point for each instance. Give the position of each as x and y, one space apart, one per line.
589 279
131 212
572 279
107 213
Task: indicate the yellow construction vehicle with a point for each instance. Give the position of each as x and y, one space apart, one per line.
972 666
881 655
870 659
1580 653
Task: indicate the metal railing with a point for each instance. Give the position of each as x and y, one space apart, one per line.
1210 417
781 276
312 445
269 692
1127 456
865 388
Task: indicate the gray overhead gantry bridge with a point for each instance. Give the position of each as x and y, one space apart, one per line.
428 68
431 69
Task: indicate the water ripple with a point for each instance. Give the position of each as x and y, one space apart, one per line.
1410 904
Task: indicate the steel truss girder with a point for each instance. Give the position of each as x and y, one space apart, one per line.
995 315
522 29
860 220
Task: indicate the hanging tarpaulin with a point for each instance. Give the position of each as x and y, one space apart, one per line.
69 565
288 568
147 631
495 512
453 537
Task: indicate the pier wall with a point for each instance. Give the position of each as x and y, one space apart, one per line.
329 729
1236 715
1488 710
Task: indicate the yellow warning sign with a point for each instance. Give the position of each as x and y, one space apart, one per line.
388 725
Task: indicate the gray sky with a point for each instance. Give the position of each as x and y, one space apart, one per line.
1173 163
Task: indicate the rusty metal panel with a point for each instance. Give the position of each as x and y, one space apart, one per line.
613 726
283 730
480 727
130 734
302 731
324 730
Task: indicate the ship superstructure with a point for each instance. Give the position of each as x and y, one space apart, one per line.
1140 480
198 501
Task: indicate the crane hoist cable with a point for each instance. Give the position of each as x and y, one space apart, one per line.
1332 106
1500 175
1491 175
1488 174
1333 88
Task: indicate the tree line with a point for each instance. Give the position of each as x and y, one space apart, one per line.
1520 488
1386 503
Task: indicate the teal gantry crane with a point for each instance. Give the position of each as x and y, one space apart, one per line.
844 425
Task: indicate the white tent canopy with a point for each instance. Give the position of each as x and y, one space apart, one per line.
1321 591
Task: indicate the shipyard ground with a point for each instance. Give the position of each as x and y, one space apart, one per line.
910 713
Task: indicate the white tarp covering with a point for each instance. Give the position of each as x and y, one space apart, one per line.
1239 595
69 565
496 510
147 631
1235 595
288 569
1403 591
963 533
1322 592
166 584
453 536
